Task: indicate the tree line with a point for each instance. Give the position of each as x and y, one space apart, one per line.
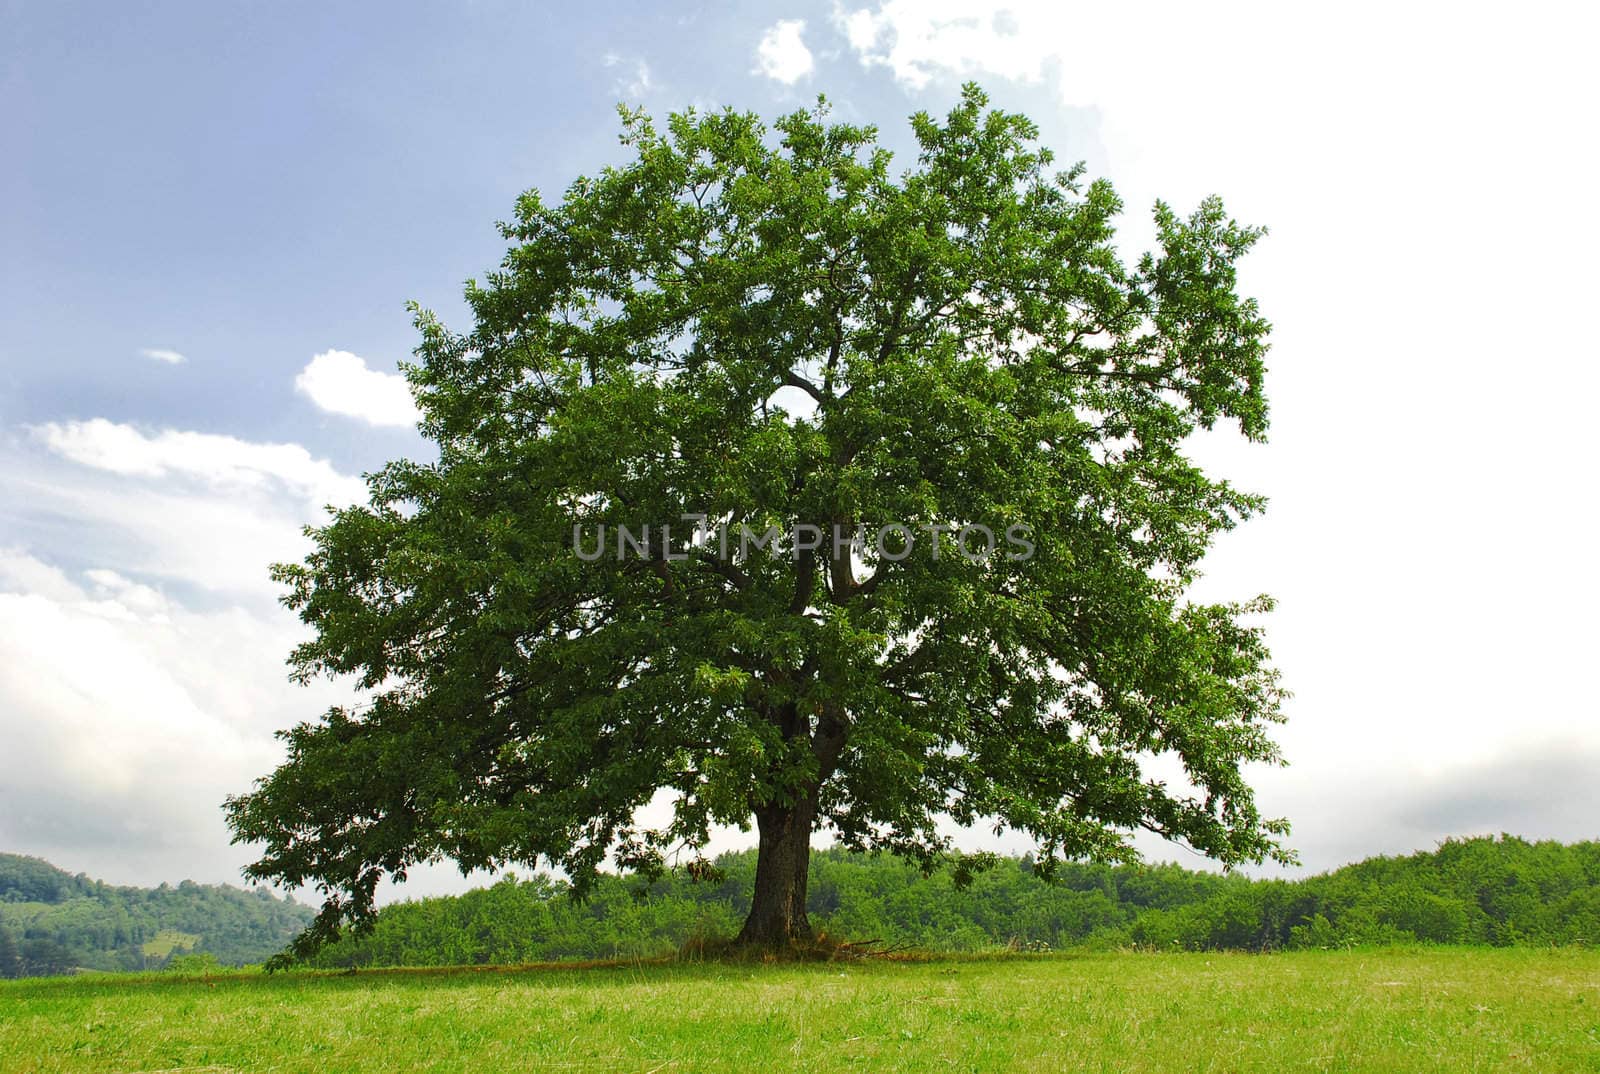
1501 891
1482 891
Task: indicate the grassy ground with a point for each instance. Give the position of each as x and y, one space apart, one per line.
1442 1010
166 940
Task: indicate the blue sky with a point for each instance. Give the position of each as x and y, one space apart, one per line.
251 187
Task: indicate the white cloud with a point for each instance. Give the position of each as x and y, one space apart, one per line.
137 600
341 383
161 354
222 461
782 53
129 717
200 511
21 573
634 86
144 684
142 647
218 540
919 40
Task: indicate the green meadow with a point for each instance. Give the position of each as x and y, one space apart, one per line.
168 941
1398 1009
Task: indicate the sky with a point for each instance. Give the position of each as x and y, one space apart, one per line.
212 216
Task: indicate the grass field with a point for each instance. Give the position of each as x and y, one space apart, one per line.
166 940
1398 1010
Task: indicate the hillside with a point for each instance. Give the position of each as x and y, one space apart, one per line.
53 922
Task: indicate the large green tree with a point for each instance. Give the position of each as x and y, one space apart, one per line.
775 328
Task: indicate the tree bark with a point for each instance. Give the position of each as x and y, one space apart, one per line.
783 861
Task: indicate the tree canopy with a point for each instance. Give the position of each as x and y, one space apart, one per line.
773 331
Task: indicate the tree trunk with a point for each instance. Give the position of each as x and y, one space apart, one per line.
778 908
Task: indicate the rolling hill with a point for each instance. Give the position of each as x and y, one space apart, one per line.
52 921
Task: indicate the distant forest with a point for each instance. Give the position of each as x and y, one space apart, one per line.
1485 891
52 922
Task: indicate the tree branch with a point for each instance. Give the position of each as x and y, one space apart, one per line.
795 380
